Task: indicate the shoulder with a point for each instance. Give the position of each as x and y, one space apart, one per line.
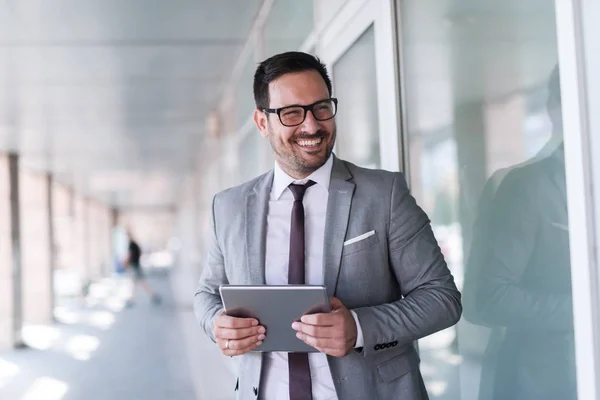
526 187
527 177
237 194
375 179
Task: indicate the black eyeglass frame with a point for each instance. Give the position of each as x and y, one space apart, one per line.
305 108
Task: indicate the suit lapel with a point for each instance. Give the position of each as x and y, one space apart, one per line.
257 205
557 175
559 182
341 190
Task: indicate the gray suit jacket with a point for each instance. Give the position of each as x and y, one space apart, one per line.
396 280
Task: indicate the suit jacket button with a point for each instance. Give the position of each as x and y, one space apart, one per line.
395 343
377 347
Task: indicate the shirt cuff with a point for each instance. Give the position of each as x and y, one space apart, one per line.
359 337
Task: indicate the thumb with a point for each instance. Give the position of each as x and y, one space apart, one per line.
335 303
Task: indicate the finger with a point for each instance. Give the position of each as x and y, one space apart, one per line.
242 333
239 344
225 321
319 319
317 342
233 353
313 330
239 347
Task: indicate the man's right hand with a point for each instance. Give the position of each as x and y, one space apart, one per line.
237 336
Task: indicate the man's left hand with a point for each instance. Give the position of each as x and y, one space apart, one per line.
333 333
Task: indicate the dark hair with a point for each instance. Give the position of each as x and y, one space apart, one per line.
281 64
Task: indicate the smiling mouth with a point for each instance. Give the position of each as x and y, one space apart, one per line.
309 142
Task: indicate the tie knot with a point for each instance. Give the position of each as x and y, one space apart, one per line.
299 190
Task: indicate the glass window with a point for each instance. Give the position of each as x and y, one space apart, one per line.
485 156
288 26
355 85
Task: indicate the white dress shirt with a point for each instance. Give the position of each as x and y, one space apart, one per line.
275 373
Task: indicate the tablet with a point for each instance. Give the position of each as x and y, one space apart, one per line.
276 308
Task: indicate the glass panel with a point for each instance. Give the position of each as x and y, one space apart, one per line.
288 25
486 163
356 88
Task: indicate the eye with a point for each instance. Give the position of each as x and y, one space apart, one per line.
291 112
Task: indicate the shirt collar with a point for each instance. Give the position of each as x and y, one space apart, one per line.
321 176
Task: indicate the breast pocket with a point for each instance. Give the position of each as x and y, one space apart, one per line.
360 242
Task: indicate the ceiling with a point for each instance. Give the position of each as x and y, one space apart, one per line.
112 96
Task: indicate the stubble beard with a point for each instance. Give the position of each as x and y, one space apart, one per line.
294 164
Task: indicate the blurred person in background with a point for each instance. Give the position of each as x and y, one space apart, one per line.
132 263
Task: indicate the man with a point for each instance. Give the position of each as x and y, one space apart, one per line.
366 240
132 261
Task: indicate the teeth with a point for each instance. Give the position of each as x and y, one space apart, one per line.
309 142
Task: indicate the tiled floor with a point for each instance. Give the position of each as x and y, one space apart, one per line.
100 351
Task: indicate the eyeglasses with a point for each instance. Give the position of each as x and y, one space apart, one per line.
322 110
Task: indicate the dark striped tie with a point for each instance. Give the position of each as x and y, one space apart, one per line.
300 383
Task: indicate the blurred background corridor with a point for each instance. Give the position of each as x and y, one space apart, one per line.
127 116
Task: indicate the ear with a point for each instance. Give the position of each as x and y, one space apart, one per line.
260 119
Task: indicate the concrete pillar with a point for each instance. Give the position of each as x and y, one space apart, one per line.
79 238
15 235
52 248
107 251
37 265
114 254
92 239
7 277
87 241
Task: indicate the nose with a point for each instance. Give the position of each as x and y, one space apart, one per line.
310 124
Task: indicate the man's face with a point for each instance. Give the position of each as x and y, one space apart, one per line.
302 149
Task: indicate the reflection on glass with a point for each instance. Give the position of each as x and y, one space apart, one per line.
355 85
486 162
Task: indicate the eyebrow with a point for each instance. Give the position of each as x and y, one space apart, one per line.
298 105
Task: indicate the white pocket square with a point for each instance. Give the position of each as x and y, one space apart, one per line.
359 238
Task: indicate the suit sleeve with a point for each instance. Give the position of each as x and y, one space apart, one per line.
430 300
207 300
